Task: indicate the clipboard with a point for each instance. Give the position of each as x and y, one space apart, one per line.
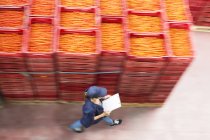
112 103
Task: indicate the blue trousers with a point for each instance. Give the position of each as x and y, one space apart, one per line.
77 124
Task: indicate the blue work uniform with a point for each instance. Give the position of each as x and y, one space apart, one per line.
90 110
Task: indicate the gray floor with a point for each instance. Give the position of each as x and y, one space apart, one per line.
185 115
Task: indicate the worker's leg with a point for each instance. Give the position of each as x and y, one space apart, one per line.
108 120
111 122
76 126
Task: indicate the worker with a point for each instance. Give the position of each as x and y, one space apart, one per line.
93 111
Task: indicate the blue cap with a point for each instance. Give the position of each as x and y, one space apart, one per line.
95 92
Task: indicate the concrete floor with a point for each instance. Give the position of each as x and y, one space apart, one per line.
185 115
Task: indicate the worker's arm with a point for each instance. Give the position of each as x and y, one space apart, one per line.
102 115
106 97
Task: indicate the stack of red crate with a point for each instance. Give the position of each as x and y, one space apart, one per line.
113 52
76 63
109 81
11 53
40 53
12 26
72 86
12 36
70 62
40 56
144 63
16 86
196 8
204 15
71 23
45 86
141 72
178 60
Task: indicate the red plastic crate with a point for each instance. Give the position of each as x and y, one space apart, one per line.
12 77
15 85
40 61
141 90
135 77
44 79
195 9
200 3
128 99
14 3
187 12
11 67
46 90
18 96
13 61
111 88
148 14
122 6
71 98
204 18
112 60
73 87
79 3
77 78
108 77
147 59
163 90
116 20
24 9
160 93
79 59
76 67
116 64
43 7
138 7
63 9
145 64
41 67
152 65
44 85
179 63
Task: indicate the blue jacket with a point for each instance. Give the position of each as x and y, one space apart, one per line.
90 110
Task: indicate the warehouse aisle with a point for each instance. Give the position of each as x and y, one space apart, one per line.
185 115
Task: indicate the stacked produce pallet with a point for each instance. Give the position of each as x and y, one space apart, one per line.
113 51
146 50
77 48
12 41
180 52
12 23
40 48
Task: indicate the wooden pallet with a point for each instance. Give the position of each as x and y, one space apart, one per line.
200 28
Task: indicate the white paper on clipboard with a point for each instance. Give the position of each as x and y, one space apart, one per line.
112 103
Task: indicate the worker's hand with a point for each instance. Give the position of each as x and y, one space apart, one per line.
106 97
106 113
